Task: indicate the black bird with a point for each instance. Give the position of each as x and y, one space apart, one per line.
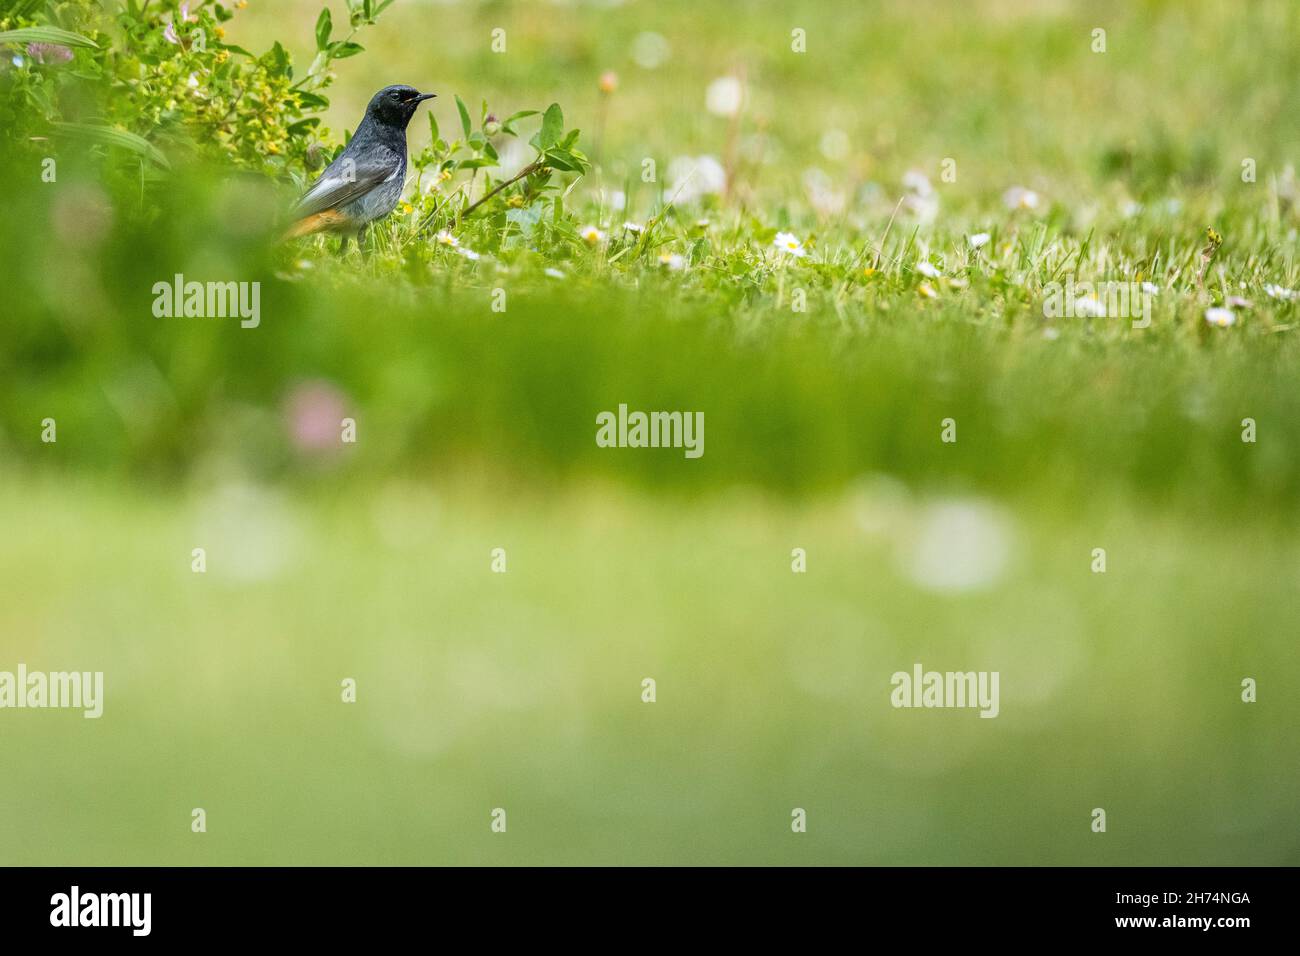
366 180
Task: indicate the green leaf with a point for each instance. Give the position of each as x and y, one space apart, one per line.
559 159
433 127
508 125
342 50
47 35
324 26
464 115
552 126
108 136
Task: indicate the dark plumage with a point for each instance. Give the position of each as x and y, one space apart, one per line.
365 181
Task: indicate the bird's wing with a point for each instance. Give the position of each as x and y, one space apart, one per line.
348 178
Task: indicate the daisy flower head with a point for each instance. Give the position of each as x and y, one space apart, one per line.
445 238
1018 197
724 96
788 243
1220 317
1279 292
927 269
673 262
1089 307
592 235
979 240
690 178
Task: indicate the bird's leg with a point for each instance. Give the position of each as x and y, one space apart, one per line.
343 245
361 241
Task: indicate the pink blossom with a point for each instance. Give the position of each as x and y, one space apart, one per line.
314 413
49 52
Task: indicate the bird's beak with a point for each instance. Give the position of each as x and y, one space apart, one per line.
425 96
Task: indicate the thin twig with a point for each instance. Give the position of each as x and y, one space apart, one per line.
526 171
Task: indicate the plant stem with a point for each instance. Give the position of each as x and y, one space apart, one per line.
526 171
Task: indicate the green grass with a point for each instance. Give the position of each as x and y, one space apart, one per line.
522 690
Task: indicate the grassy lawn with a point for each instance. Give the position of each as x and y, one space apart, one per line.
522 690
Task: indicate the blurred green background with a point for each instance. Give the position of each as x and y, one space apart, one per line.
476 431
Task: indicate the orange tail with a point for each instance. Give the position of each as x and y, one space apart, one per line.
331 220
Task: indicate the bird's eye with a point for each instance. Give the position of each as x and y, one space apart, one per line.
395 95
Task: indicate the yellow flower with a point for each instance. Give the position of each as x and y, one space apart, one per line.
515 202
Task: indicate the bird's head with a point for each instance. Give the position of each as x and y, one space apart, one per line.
395 105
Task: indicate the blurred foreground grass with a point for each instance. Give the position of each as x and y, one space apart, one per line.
522 690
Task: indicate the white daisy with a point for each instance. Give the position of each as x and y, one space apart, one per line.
692 177
1220 317
554 273
979 240
672 262
1018 197
927 269
917 182
788 243
635 228
1278 292
724 96
445 238
592 235
1089 307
